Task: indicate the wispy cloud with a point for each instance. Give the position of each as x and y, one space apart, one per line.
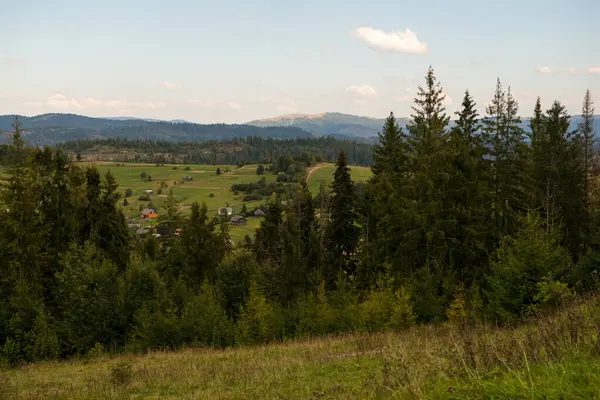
396 41
405 97
171 85
61 101
362 90
570 71
593 70
234 105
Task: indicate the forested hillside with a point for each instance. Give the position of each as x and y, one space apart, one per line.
478 223
56 128
235 151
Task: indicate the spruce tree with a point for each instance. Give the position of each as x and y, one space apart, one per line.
342 233
591 166
509 178
430 169
468 193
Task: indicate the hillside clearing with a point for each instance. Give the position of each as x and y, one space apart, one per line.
553 357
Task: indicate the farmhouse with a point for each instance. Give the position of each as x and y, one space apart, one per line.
148 213
259 213
238 220
187 178
225 211
149 191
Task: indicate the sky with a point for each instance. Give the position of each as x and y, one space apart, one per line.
236 61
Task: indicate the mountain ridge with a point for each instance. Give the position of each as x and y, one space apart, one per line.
55 128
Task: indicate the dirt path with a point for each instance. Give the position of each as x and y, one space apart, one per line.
312 170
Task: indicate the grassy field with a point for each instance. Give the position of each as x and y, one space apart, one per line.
205 182
324 173
553 357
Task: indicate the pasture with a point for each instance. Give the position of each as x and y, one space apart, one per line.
205 187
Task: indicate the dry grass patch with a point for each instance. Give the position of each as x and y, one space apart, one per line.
410 364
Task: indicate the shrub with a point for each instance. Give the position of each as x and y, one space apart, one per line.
257 322
129 192
121 374
315 315
144 197
211 195
187 168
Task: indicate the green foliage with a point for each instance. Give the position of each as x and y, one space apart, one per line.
257 322
121 374
448 211
386 308
342 234
520 265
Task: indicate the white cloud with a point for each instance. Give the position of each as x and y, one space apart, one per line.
171 85
593 70
396 41
543 70
572 70
63 102
234 105
363 90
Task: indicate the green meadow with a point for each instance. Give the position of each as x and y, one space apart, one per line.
206 186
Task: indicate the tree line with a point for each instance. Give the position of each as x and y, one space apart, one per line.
481 223
238 151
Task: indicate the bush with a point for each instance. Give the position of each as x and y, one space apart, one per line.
129 192
520 265
187 168
257 322
211 195
315 315
144 197
121 374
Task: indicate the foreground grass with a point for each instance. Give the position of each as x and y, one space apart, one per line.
556 356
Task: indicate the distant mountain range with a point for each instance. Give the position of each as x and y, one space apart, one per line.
353 126
56 128
330 124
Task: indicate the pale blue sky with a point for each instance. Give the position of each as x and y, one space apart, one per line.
233 61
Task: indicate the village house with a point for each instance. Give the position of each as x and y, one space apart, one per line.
149 191
259 213
148 213
238 220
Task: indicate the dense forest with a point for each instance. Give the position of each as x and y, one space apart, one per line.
250 150
477 224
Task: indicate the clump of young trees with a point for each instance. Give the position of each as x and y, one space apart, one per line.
485 220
